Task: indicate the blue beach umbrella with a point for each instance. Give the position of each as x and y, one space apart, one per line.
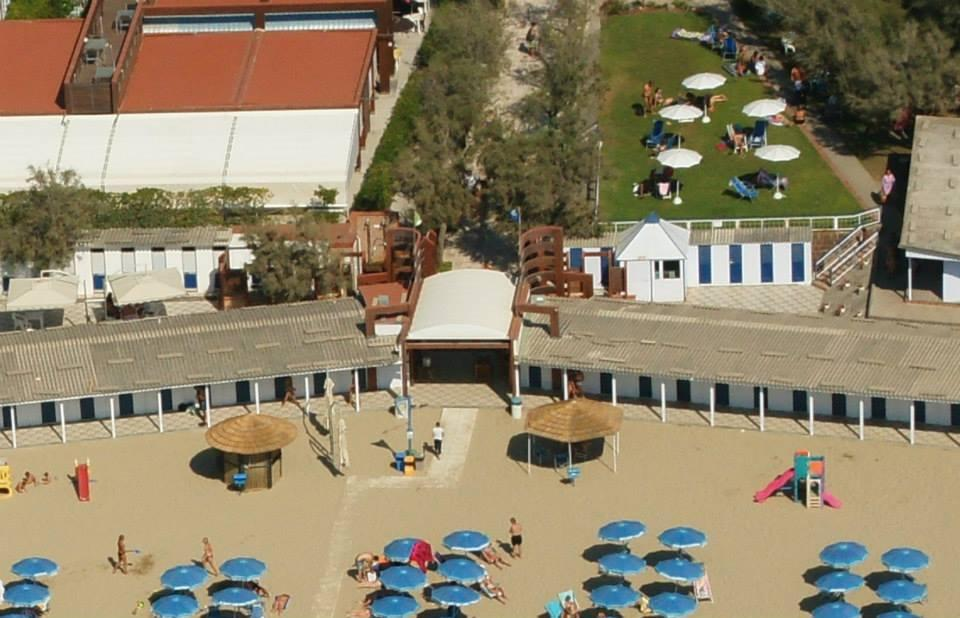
622 564
682 538
838 609
454 595
27 594
183 577
898 614
905 560
621 531
395 606
461 570
398 550
403 579
901 591
175 606
20 615
243 569
673 605
466 540
680 570
839 582
614 596
35 567
843 555
234 596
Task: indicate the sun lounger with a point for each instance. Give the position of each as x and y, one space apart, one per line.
758 137
554 609
656 134
744 189
702 590
729 49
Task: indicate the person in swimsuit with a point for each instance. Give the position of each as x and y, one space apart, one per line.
121 563
207 560
516 538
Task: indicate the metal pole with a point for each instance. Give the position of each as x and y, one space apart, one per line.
529 463
713 403
256 396
613 389
596 197
356 390
909 278
564 380
206 403
160 410
569 453
113 419
63 425
516 380
663 402
913 422
811 412
763 424
306 390
13 424
861 419
616 449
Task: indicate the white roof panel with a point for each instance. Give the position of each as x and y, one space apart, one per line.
464 305
27 141
654 239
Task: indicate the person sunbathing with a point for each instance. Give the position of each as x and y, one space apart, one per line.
258 589
363 611
46 479
280 603
493 589
28 479
363 564
570 608
492 556
371 580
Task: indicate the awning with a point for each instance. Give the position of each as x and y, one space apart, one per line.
147 286
54 292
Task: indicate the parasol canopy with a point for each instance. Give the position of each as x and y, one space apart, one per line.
251 434
575 420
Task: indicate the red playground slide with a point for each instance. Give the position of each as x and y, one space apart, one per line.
832 501
776 485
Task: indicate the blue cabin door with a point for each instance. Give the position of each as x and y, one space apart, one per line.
766 263
705 267
536 379
736 264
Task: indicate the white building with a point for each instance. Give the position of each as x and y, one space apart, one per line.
931 217
653 254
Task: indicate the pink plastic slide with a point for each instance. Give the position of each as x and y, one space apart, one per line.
832 501
776 485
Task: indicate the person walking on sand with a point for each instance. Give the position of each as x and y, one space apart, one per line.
437 439
207 560
886 185
121 563
516 538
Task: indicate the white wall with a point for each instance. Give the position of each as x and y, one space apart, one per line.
639 275
206 265
951 281
782 265
388 378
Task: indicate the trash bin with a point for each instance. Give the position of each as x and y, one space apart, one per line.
398 458
516 407
409 465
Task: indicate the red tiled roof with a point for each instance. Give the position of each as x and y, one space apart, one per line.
249 70
35 56
165 6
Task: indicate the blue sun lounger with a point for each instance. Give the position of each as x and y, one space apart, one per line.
744 189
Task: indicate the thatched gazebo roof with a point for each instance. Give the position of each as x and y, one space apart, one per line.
574 420
250 434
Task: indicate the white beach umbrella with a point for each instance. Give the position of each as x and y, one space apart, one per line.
704 81
681 113
679 158
777 153
762 108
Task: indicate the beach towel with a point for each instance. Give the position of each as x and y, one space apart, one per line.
421 555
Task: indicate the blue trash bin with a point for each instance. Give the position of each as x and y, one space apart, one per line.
398 461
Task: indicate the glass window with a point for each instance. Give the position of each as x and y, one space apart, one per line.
671 269
797 262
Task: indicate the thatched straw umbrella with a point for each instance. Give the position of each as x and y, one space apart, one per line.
252 443
574 420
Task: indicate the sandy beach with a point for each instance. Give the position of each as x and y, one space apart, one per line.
158 491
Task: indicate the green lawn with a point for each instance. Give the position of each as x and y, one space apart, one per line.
636 48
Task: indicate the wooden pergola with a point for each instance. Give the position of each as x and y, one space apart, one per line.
252 443
574 420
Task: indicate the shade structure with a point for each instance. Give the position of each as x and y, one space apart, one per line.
679 158
26 594
839 582
234 596
762 108
394 606
55 292
574 420
403 579
837 609
454 595
898 614
461 570
35 567
673 605
905 560
175 606
621 531
398 550
704 81
680 570
23 614
614 596
622 564
900 591
777 153
466 540
681 112
251 434
243 569
146 286
183 577
682 537
843 555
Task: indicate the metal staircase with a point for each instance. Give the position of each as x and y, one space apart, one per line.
855 249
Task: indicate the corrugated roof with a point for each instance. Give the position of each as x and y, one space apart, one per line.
463 304
118 357
36 55
311 69
815 353
149 237
747 235
174 6
931 216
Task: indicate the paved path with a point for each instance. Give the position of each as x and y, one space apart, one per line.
458 424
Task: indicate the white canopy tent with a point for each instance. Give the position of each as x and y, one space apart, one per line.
146 287
36 295
288 152
468 304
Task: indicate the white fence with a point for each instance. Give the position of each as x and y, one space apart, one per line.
822 222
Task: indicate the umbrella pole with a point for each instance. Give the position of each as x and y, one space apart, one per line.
776 194
706 114
569 453
677 199
528 454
